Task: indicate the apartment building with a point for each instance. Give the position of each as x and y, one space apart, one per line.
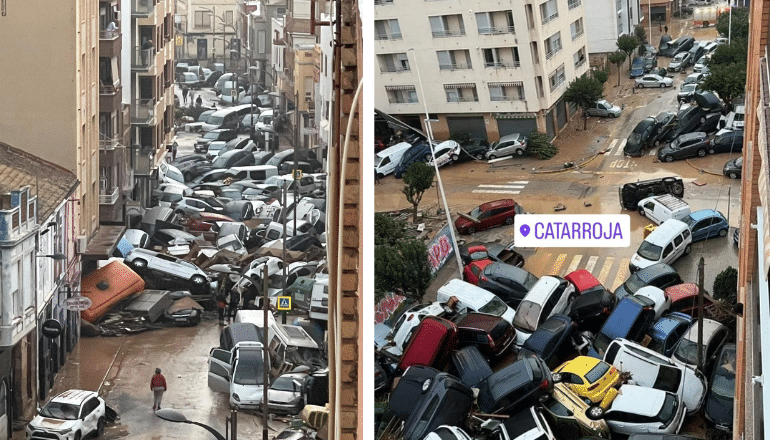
151 92
210 29
608 20
482 68
260 16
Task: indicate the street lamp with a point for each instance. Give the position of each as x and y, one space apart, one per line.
175 416
57 256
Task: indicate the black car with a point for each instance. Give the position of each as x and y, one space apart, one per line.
733 168
665 126
443 400
727 142
549 340
689 119
686 145
631 193
660 275
661 71
721 393
220 134
473 148
639 138
708 102
589 310
515 387
470 365
508 282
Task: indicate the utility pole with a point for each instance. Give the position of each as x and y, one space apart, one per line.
285 190
700 313
295 145
265 353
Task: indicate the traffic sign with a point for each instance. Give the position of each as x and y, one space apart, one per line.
284 303
297 174
77 303
179 40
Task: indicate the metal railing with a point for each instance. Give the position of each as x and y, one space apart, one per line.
403 101
459 66
573 4
109 199
394 69
462 99
141 8
577 35
580 62
142 58
557 81
108 89
505 98
501 65
383 2
387 36
109 143
552 52
449 33
550 18
497 30
109 35
142 111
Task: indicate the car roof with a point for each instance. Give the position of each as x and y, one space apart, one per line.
665 325
582 279
503 269
629 396
710 327
649 272
480 321
694 135
543 289
497 204
580 365
705 213
511 137
74 396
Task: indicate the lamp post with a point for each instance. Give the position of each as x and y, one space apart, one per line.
175 416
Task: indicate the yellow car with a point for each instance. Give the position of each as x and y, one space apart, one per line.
591 378
569 416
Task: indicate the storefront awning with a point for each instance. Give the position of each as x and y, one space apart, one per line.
399 87
460 86
507 84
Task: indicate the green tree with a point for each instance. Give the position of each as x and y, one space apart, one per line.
584 92
403 266
601 75
617 58
418 178
539 144
641 34
740 24
627 44
727 80
387 230
735 52
725 287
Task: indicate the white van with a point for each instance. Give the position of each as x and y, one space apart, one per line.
290 345
661 208
238 372
475 299
226 118
665 244
385 161
253 172
319 298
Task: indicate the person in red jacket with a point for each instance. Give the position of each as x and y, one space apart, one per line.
158 386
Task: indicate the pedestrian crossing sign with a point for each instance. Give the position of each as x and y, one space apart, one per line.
179 39
284 303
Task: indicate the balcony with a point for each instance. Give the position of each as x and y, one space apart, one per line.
394 69
573 4
580 62
142 111
391 36
109 199
577 35
142 161
497 30
550 18
403 101
142 59
141 8
449 33
550 54
383 2
108 144
458 66
502 65
109 98
462 99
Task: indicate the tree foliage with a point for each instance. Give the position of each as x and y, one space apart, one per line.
418 177
584 92
740 24
460 137
601 75
641 34
387 230
617 58
725 286
627 44
539 145
401 266
735 52
727 80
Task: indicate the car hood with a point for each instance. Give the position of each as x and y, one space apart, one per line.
462 221
719 409
248 394
277 396
40 422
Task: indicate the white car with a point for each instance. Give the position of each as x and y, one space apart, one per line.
549 295
644 410
73 414
527 424
190 205
446 152
403 329
651 369
656 295
715 334
651 80
146 260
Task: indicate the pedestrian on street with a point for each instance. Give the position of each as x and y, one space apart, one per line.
665 28
222 299
158 386
184 94
235 298
199 101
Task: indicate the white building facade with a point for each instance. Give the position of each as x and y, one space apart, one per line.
608 20
484 68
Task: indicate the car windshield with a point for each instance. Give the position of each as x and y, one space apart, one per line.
634 283
495 307
597 372
601 343
211 134
724 377
283 384
57 410
649 251
204 117
476 212
690 221
739 162
215 120
689 87
687 351
527 315
668 411
248 373
378 160
635 138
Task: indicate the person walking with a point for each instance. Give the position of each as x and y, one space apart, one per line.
222 299
235 298
184 94
158 386
199 101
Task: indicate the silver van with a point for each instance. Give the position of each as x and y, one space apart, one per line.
665 244
226 118
253 172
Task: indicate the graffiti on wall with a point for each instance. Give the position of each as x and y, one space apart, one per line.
387 306
440 249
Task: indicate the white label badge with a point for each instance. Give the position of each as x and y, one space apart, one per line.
572 230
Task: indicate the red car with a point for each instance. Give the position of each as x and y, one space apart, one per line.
474 269
583 280
491 334
684 299
488 215
430 345
203 221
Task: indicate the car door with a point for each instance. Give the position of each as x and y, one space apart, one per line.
667 256
89 415
649 211
700 229
679 246
219 371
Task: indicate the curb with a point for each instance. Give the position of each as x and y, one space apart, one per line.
701 169
570 168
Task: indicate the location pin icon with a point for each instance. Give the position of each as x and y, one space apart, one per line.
524 229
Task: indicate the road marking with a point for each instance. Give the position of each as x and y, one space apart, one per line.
574 264
605 269
557 264
591 263
502 186
621 275
621 147
652 152
544 259
499 159
518 182
492 191
612 145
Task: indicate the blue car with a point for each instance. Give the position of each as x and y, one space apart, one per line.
707 223
667 331
632 317
419 151
637 68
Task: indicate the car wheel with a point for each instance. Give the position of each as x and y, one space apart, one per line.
687 249
139 264
612 115
595 412
701 152
557 377
380 175
732 175
480 156
198 280
657 142
519 152
702 119
179 212
669 158
711 151
100 427
641 212
472 230
492 157
428 157
455 158
509 221
77 435
722 232
663 85
677 189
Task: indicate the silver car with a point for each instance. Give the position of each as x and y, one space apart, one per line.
604 108
654 81
143 260
285 394
508 145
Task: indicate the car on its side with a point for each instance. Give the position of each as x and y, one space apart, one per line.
665 126
653 80
645 410
515 143
657 296
488 215
143 260
719 400
515 387
570 416
592 379
73 414
707 223
604 108
446 432
727 142
419 151
686 145
659 275
509 283
733 168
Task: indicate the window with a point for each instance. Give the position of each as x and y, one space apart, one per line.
229 17
678 240
501 57
202 19
387 30
498 22
394 62
557 78
513 91
549 11
573 4
454 59
668 250
579 57
552 45
401 94
465 92
447 25
576 29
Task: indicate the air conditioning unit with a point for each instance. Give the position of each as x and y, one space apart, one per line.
81 244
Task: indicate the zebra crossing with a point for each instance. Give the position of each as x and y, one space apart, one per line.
616 148
610 271
508 188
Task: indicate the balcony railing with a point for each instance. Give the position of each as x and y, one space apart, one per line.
502 65
109 35
383 2
557 81
142 111
505 98
108 89
577 35
403 101
142 162
552 52
580 62
449 33
462 99
109 199
388 37
497 30
394 69
573 4
110 143
142 59
141 8
460 66
550 18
